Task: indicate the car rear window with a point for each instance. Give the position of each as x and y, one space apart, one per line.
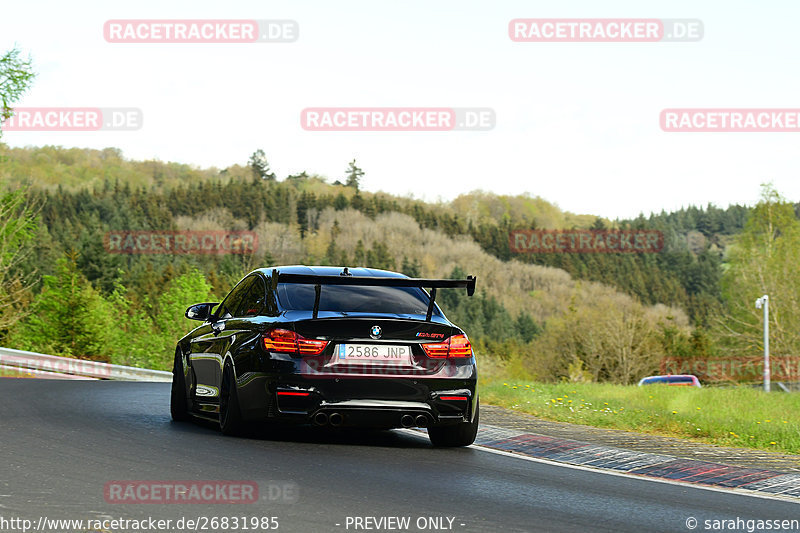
679 380
670 380
355 299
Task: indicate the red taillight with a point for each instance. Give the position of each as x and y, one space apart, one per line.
460 346
285 341
281 340
453 398
309 346
438 349
455 346
292 393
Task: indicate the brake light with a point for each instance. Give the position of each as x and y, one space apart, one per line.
281 340
453 398
438 349
460 346
455 346
286 341
292 393
310 346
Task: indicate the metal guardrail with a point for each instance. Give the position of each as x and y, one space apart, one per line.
19 362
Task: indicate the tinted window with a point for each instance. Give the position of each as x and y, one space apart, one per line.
252 304
229 306
399 300
668 380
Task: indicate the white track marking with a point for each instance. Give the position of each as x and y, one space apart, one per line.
597 470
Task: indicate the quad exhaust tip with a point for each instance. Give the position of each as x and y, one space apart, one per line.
336 420
320 419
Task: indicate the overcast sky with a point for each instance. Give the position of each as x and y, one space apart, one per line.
577 123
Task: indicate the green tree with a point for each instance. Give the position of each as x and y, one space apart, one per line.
527 328
353 175
68 317
340 202
357 201
379 257
171 324
614 339
259 166
131 340
764 260
411 268
18 228
303 205
333 254
146 333
360 254
16 77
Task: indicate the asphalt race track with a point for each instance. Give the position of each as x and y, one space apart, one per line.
63 441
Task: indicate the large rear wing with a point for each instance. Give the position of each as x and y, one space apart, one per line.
345 278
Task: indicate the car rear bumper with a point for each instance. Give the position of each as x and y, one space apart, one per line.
375 413
379 413
386 402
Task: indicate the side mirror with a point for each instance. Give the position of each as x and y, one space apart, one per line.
200 311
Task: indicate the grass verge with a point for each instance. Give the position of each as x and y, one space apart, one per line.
14 373
731 416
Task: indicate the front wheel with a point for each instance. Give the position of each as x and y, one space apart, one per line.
462 434
178 406
230 414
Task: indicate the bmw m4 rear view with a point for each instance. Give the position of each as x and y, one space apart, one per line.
330 346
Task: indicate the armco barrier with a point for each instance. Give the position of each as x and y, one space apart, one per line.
50 366
17 372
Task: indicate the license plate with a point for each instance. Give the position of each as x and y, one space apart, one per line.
373 353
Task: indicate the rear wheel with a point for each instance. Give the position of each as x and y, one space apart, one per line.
459 435
230 415
178 406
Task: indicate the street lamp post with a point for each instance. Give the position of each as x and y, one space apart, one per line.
763 302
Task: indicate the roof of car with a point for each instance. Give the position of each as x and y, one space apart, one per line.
331 271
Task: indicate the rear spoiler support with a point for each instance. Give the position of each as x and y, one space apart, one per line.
374 281
317 293
429 314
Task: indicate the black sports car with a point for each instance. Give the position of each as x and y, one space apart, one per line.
331 346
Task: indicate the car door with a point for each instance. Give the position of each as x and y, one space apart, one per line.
209 347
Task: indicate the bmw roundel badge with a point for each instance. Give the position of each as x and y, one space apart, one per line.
375 332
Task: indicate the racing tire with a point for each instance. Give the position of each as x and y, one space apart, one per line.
178 404
230 414
462 434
